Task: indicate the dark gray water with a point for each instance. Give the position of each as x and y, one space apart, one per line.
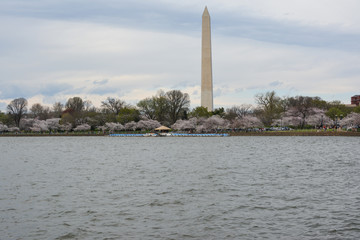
180 188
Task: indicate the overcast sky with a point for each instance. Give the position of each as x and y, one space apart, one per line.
129 49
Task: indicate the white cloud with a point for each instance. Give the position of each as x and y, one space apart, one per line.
307 48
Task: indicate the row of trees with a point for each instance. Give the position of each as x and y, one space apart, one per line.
300 110
172 109
164 107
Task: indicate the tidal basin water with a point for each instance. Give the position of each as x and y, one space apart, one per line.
180 188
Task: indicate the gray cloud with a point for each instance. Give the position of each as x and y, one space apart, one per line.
101 82
11 91
289 33
3 106
103 90
54 88
129 13
217 92
275 84
167 17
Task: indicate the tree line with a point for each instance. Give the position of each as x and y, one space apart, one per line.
302 111
172 108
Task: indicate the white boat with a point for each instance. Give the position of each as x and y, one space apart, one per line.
150 135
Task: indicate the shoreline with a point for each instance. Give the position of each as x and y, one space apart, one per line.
231 134
299 133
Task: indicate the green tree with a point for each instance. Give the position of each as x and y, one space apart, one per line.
219 111
80 112
113 105
147 108
342 107
238 111
269 107
334 113
357 109
57 109
178 105
317 102
76 104
5 119
68 117
39 111
200 112
75 107
94 118
161 106
128 114
17 109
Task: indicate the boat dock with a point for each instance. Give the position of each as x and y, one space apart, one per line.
170 135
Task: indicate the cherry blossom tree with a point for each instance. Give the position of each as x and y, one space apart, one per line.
39 126
247 122
14 129
3 127
251 121
178 124
184 125
318 118
351 120
53 123
200 125
303 107
114 126
147 124
26 123
102 128
65 127
288 121
35 129
215 122
131 126
82 127
200 128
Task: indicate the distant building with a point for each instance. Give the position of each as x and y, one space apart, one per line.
355 100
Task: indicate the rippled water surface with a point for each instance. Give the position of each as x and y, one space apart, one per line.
180 188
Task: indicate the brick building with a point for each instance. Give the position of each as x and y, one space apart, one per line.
355 100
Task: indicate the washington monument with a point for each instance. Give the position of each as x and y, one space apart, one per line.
206 63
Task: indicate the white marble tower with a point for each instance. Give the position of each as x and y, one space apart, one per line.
206 63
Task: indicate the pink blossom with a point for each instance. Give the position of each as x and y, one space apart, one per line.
246 122
147 124
3 127
82 127
65 127
114 126
130 126
351 120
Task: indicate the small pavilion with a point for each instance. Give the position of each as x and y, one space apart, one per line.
162 129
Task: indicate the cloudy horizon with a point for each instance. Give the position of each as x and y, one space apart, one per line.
53 50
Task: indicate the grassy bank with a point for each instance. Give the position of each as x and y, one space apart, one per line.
298 133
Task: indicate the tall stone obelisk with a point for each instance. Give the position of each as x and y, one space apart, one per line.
206 63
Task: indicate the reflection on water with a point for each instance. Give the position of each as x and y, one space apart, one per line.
180 188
